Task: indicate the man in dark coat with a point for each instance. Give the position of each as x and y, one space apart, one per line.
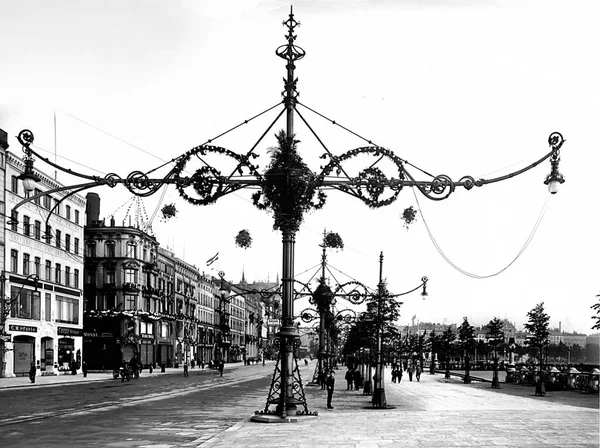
349 378
330 385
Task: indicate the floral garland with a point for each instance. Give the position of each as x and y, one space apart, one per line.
168 211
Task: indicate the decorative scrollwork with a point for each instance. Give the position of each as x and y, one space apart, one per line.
370 184
208 183
308 315
25 138
353 291
556 140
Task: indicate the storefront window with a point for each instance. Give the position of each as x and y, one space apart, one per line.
25 303
67 310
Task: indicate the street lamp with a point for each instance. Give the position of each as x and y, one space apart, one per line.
288 189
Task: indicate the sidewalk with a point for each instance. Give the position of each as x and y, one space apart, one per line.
431 413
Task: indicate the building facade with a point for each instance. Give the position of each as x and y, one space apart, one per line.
122 297
43 275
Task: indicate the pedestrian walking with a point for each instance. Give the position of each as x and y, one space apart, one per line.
357 380
418 372
349 379
330 384
410 372
185 369
32 372
400 374
193 363
84 369
221 367
322 378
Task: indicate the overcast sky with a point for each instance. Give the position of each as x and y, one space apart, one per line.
455 87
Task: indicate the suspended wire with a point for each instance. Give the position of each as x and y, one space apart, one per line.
477 276
370 142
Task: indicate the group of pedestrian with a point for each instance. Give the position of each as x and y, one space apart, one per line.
412 370
353 379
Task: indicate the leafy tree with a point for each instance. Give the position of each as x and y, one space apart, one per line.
495 335
466 336
447 343
538 327
435 345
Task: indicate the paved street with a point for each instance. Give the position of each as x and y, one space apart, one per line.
205 410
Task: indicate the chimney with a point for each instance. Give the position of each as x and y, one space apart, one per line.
92 209
559 325
3 139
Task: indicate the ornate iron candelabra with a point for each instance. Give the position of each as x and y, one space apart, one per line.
287 188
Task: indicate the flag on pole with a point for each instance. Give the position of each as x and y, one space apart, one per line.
212 259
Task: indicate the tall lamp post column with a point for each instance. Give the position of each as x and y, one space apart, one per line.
379 399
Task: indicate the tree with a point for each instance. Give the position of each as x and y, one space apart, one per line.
435 345
537 326
448 338
466 336
495 335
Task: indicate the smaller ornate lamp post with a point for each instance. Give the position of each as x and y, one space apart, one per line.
572 377
510 368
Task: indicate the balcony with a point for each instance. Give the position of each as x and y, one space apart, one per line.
131 287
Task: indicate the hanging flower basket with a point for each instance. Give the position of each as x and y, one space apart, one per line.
333 241
409 215
168 211
243 239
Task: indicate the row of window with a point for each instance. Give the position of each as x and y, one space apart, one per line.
56 275
35 231
48 201
26 304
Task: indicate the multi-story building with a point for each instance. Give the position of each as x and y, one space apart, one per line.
208 297
166 341
122 297
186 301
43 275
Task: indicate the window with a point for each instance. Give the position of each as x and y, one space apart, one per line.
14 221
68 242
130 275
48 234
37 230
26 260
14 185
76 216
58 273
76 278
68 212
14 260
37 200
58 238
67 310
90 249
110 277
57 207
130 302
37 262
48 202
26 226
48 271
25 303
76 246
48 307
110 249
67 276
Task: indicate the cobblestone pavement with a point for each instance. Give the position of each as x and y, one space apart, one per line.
431 412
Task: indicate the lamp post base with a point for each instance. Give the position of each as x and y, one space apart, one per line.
379 400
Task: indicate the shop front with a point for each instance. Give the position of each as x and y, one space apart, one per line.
68 348
147 350
101 350
164 352
23 349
